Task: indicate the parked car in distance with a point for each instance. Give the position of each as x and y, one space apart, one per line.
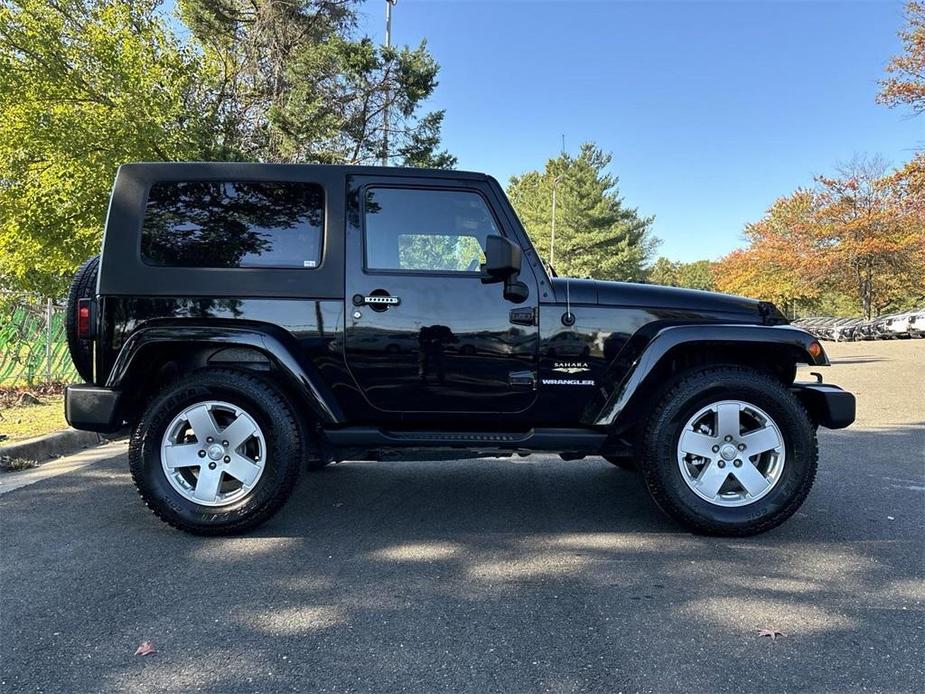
917 324
251 320
886 327
844 330
898 326
882 327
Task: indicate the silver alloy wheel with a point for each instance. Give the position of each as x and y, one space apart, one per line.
731 453
213 453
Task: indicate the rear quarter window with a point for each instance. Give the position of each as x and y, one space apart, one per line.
224 224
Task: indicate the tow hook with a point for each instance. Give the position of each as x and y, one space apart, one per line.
817 375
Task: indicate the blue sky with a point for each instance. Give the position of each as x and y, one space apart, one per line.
711 110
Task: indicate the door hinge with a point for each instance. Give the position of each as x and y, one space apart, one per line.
523 378
523 316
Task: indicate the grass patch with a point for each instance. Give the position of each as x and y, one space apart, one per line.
19 422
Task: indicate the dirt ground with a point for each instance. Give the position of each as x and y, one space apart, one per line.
887 377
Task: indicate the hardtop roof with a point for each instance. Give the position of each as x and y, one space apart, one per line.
231 168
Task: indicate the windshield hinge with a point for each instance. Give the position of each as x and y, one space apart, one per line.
523 316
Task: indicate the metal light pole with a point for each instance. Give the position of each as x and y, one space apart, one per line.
552 238
385 114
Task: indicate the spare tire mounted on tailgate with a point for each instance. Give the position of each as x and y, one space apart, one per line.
82 287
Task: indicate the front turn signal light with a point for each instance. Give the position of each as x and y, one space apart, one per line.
814 349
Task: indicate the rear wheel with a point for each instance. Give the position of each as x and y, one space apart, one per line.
729 451
218 453
83 286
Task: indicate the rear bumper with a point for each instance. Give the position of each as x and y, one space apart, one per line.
92 408
828 405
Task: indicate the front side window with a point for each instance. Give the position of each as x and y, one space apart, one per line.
233 224
426 230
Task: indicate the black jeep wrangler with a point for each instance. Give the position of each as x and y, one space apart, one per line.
249 320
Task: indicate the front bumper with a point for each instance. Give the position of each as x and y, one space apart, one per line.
93 408
828 405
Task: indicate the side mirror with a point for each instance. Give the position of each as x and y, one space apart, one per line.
502 259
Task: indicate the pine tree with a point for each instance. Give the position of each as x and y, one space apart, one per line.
596 234
295 84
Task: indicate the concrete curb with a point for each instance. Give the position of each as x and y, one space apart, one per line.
53 445
11 481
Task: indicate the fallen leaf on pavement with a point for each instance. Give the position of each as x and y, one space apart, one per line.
145 648
773 633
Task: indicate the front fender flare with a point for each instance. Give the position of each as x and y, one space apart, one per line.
302 374
669 338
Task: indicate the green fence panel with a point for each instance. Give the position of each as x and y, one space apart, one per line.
33 344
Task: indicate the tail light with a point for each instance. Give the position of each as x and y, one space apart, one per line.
84 319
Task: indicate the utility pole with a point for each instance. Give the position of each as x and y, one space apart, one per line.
552 237
385 113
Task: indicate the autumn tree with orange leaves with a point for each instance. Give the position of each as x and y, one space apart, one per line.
774 266
905 81
857 237
860 234
871 237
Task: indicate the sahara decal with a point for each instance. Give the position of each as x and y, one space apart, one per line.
570 367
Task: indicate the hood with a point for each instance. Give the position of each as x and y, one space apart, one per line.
633 294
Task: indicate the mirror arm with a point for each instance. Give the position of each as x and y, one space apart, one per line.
515 290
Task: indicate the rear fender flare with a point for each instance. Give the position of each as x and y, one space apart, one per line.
302 375
670 338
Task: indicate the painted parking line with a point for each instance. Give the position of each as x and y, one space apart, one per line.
11 481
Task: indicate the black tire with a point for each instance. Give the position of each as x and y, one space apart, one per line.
622 463
261 399
83 286
680 401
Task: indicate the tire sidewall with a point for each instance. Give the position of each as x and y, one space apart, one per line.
662 468
282 453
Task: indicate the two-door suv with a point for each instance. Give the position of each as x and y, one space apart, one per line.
249 320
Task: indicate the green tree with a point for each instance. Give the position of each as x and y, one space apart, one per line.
85 85
664 272
696 275
596 234
296 85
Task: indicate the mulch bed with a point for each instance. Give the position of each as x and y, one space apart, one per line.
13 396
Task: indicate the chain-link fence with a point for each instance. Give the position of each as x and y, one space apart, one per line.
33 345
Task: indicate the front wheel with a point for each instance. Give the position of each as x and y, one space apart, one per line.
216 454
729 451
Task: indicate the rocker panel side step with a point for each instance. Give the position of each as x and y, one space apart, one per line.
535 439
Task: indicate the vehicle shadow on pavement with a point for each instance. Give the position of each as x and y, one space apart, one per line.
859 359
508 575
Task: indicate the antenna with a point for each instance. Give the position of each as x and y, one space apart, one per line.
568 318
568 297
385 113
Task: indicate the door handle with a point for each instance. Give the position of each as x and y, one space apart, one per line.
378 302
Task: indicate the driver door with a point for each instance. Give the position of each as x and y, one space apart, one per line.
423 333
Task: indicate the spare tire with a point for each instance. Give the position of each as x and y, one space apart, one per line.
82 287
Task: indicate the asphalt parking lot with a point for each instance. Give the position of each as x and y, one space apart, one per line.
530 575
